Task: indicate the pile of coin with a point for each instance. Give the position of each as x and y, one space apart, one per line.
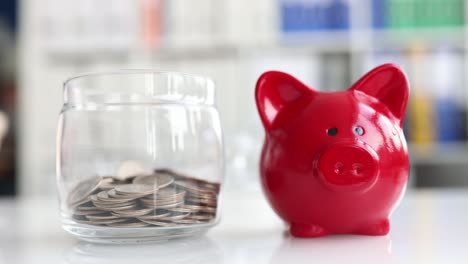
163 198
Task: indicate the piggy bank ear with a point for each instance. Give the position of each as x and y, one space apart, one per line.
388 84
275 90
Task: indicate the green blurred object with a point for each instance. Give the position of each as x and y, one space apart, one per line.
424 13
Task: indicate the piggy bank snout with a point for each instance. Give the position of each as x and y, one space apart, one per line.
348 164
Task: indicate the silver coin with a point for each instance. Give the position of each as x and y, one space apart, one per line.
175 216
212 186
104 196
106 183
161 202
115 196
153 216
108 221
118 208
94 198
170 204
86 208
166 193
102 217
193 206
193 187
201 216
112 206
182 210
88 212
82 190
130 168
207 209
135 189
158 223
163 206
202 201
203 196
80 203
157 180
132 213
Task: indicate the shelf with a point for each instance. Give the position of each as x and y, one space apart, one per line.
391 38
439 154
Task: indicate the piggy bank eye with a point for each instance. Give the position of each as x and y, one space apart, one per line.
332 131
359 131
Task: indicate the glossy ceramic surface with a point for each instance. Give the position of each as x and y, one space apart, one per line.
334 162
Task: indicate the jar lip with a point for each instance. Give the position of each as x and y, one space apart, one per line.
131 72
181 88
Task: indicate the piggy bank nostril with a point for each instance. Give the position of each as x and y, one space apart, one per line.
357 169
339 168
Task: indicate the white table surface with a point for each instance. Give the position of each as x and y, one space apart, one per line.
428 227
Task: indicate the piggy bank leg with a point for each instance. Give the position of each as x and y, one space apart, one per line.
307 230
378 228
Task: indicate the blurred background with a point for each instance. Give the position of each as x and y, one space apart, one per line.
328 44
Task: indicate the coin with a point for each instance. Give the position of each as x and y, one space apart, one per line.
157 215
135 189
104 197
130 168
202 201
175 216
114 205
201 216
114 196
102 217
167 192
107 221
157 180
163 200
98 202
182 210
87 212
163 206
155 200
86 208
82 190
161 203
132 213
193 187
114 208
158 223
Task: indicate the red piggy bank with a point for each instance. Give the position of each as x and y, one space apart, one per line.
334 162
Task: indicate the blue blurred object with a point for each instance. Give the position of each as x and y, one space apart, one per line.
449 121
312 15
448 89
8 10
379 16
338 15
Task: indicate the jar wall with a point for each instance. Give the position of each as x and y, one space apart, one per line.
120 141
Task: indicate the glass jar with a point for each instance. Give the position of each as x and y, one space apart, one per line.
139 156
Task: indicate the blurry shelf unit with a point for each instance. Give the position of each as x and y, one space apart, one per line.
439 154
391 38
327 44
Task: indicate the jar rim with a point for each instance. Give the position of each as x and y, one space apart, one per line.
99 88
132 71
